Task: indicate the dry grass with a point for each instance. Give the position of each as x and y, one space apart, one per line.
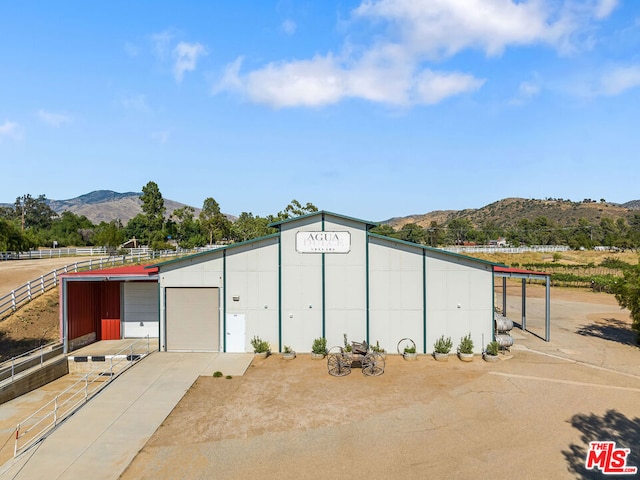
571 257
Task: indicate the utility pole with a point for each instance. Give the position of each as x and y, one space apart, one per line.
22 205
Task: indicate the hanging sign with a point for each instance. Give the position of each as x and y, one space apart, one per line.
323 242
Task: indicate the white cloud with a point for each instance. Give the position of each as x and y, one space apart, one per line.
619 80
604 8
161 43
314 82
526 91
161 137
10 130
445 27
137 102
325 81
186 55
433 87
53 119
395 67
289 27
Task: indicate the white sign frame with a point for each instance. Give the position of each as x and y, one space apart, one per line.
323 242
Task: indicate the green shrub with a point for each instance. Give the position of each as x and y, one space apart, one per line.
492 348
466 345
259 345
443 345
217 374
319 346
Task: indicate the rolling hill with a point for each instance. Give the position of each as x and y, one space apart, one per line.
509 211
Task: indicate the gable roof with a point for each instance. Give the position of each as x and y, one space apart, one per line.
219 249
124 271
322 212
436 250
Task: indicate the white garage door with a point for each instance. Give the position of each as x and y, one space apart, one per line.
192 319
140 309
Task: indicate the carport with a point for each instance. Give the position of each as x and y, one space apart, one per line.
108 304
524 275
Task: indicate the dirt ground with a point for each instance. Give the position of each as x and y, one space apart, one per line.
37 322
530 415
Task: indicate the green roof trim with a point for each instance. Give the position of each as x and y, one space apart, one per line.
322 212
436 250
219 249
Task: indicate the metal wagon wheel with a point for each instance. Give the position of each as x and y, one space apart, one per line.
373 364
338 362
405 342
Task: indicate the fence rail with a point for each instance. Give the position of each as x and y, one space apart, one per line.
487 249
15 365
10 302
36 426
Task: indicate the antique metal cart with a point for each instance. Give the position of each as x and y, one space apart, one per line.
340 360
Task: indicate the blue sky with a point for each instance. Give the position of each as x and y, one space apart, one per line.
372 109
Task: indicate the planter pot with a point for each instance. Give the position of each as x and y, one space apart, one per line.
261 354
466 357
490 358
441 357
317 356
410 356
289 356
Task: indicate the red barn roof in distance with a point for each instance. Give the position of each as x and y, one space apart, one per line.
498 269
127 270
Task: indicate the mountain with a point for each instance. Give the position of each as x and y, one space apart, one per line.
509 211
106 205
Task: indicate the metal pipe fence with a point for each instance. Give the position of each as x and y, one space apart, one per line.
10 302
36 426
15 365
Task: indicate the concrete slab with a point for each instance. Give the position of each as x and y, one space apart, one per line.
102 438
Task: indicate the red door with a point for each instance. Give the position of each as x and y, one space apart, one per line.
110 311
110 328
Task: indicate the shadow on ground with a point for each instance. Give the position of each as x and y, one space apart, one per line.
610 329
10 347
612 426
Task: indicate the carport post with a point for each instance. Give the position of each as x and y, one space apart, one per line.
504 296
524 304
547 312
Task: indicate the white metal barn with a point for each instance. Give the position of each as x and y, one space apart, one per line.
323 275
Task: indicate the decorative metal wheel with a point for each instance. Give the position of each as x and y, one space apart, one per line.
373 364
338 362
404 343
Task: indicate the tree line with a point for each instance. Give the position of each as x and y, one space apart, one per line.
31 223
619 233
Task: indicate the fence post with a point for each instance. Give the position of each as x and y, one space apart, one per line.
29 290
12 367
55 278
13 300
15 447
41 283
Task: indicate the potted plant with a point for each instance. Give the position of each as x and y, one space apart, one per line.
319 348
407 348
491 352
288 353
377 348
465 349
441 348
260 347
347 345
